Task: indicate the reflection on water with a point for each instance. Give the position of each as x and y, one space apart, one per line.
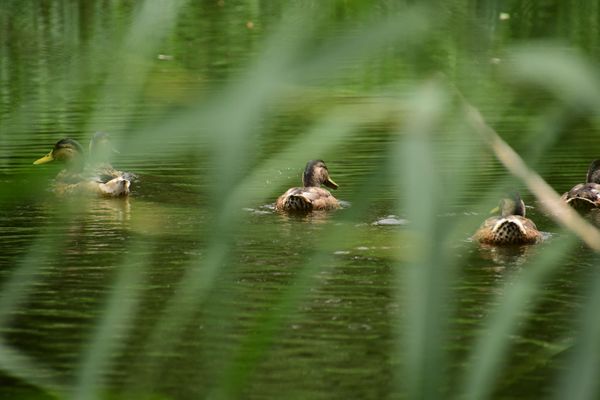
512 255
106 211
315 217
506 256
339 340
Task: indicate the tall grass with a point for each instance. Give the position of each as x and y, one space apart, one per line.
387 58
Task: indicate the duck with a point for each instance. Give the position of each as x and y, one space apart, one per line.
586 196
511 227
78 177
311 196
99 150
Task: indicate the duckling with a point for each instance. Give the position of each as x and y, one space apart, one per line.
586 196
311 196
511 227
74 179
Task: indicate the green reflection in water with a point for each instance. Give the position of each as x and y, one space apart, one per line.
195 287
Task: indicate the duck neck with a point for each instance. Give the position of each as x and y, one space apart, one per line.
75 165
310 180
593 175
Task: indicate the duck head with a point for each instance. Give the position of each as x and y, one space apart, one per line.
100 148
512 205
317 174
67 151
593 175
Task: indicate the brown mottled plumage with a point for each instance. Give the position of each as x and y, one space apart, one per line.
311 196
75 179
586 196
511 227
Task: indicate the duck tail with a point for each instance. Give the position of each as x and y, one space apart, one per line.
115 188
581 203
297 203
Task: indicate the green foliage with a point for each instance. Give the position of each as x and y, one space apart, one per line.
239 93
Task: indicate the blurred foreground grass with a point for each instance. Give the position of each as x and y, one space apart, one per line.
343 68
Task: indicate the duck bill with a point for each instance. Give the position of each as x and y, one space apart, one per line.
46 159
330 183
495 210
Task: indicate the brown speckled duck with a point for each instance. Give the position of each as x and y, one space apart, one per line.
311 196
102 180
510 227
586 196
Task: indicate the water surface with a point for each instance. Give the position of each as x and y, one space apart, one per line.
306 306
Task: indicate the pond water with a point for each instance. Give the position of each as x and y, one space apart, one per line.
249 302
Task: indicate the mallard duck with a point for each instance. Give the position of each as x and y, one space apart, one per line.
510 227
99 150
75 178
586 196
311 196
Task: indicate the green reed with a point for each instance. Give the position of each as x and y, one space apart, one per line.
308 51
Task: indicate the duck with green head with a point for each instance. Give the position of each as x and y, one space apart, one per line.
74 178
586 196
311 196
511 227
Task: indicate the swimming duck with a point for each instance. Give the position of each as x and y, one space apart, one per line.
99 151
76 179
586 196
311 196
510 227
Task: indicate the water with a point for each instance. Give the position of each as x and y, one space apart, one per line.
301 306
